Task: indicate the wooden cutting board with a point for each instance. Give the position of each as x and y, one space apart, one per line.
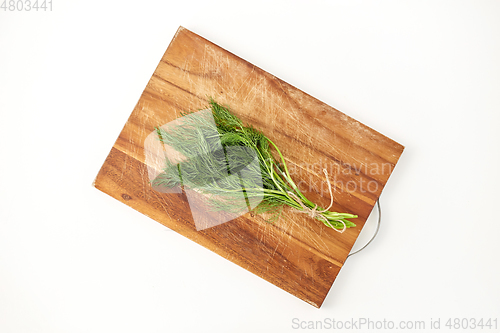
296 253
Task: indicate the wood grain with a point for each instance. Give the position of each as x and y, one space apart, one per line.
296 253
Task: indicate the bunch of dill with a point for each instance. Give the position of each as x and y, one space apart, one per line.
216 153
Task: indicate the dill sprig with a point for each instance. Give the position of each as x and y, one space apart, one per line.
217 162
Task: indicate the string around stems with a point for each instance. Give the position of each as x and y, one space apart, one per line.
314 212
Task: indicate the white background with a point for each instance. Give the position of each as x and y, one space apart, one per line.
425 73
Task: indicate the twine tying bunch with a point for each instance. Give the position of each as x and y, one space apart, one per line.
314 212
